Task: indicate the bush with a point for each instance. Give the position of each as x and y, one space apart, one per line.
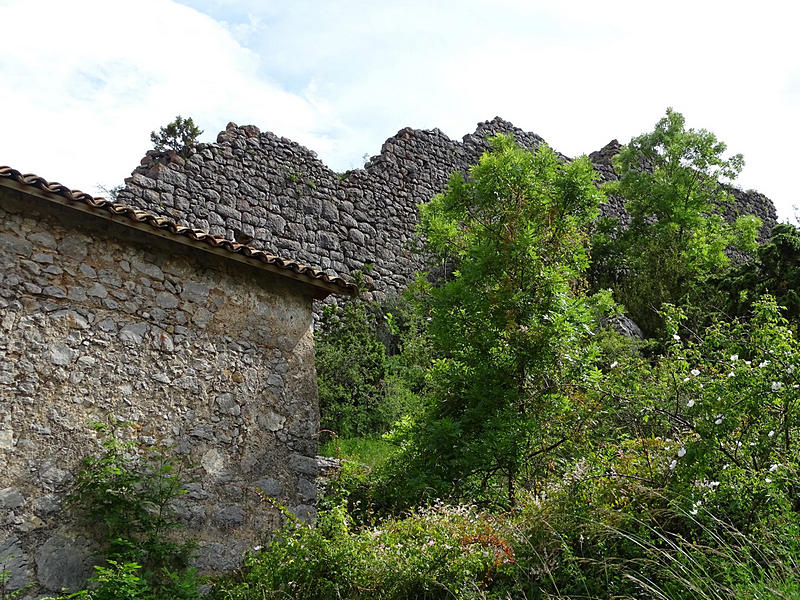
440 552
125 496
351 366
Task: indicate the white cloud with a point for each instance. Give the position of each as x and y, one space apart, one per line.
86 81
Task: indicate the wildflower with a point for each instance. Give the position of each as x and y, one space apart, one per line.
768 480
614 364
719 420
773 468
685 379
776 386
713 484
763 364
734 357
672 465
682 452
731 374
790 369
693 511
748 363
771 433
690 403
431 542
695 372
676 337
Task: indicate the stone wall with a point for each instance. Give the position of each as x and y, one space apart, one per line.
276 195
209 356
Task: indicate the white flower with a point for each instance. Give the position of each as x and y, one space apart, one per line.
748 363
676 337
685 379
763 364
673 464
731 374
734 357
690 403
713 484
768 480
614 364
790 369
693 511
776 386
773 468
695 372
771 433
682 452
719 420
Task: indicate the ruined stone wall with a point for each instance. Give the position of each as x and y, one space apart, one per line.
206 355
276 195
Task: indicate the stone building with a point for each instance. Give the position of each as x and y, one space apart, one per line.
203 344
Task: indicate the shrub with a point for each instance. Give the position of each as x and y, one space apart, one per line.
125 495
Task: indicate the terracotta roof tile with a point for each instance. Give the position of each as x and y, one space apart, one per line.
164 224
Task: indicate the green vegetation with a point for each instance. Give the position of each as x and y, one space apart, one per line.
776 271
671 181
662 468
180 135
499 409
125 497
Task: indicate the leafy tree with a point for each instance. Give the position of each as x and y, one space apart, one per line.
179 135
509 329
670 180
776 271
351 366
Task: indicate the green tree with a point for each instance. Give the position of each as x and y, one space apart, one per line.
351 366
671 181
509 329
179 135
776 271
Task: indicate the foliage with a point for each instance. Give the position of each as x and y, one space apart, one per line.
509 330
127 493
776 271
351 366
670 180
715 420
370 359
180 135
439 552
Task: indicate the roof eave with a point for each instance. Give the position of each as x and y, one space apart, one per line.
321 287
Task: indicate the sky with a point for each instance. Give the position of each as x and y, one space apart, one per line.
84 82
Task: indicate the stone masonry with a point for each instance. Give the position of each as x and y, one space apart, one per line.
278 196
209 356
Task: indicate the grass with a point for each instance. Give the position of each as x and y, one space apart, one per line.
369 451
